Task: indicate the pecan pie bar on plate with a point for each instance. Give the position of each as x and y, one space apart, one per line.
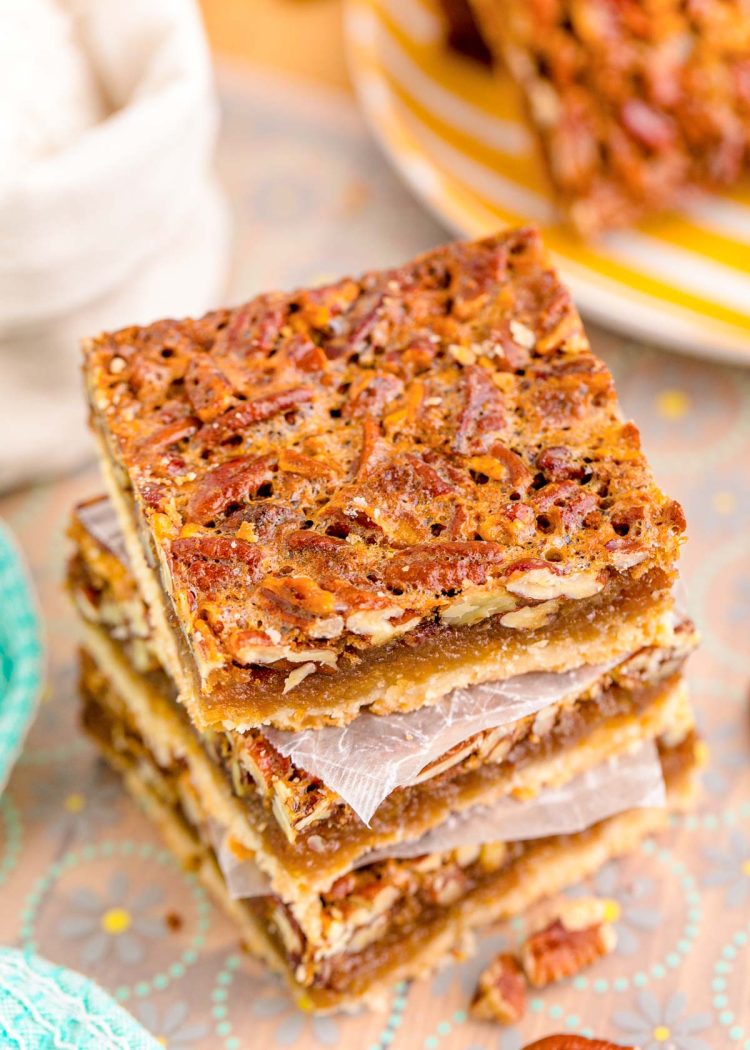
384 572
637 105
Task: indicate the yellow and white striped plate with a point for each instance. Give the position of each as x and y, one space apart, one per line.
457 134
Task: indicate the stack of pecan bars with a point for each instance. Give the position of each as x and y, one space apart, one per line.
342 510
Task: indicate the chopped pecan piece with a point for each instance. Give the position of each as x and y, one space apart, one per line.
374 452
501 992
576 938
317 542
575 1042
502 464
298 598
170 435
213 563
372 395
430 481
306 466
236 420
228 484
483 414
443 566
557 464
208 389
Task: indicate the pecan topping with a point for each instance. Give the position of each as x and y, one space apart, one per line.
372 395
170 435
575 939
299 597
399 438
482 416
441 567
208 389
502 463
428 478
236 420
213 563
254 326
570 503
307 466
501 992
652 128
270 765
374 449
557 464
317 542
231 483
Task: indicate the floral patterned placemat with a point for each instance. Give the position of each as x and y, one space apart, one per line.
85 881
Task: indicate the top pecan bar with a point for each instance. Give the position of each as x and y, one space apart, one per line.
638 103
330 478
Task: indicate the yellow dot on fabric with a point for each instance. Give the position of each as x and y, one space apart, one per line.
724 502
701 752
161 1040
661 1033
116 920
673 404
612 910
746 867
75 802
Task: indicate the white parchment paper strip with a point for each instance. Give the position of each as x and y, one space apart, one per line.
630 781
375 754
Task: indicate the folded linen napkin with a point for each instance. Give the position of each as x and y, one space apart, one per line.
109 209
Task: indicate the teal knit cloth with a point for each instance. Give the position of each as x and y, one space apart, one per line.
47 1007
20 654
42 1006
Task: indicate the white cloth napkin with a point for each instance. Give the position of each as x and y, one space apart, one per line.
109 210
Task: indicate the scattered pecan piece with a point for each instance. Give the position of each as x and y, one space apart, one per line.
501 992
653 129
428 478
573 940
174 921
318 542
575 1042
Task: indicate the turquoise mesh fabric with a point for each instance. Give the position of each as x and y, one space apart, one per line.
48 1007
20 654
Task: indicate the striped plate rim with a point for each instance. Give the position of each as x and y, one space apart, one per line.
456 134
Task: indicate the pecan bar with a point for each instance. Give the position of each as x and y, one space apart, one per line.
389 920
307 825
638 105
371 493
